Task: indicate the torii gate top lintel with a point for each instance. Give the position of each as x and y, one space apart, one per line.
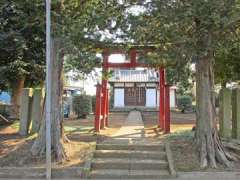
132 54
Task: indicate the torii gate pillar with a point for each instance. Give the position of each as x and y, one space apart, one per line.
164 102
98 108
161 98
104 101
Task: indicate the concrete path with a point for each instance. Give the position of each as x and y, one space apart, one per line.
131 131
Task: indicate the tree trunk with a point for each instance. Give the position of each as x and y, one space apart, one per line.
17 88
57 131
210 147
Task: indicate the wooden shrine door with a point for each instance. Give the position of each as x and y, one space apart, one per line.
135 96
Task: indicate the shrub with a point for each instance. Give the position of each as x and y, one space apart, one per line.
4 110
82 105
184 103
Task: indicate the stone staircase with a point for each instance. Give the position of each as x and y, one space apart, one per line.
131 161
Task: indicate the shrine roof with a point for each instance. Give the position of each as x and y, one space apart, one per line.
134 76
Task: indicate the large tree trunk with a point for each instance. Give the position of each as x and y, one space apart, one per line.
57 131
210 147
17 88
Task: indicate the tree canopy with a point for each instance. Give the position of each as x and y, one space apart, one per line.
22 42
228 61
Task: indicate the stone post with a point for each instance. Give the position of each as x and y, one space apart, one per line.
225 122
25 111
37 109
236 113
98 108
71 111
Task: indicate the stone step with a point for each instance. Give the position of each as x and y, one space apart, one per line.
132 174
131 164
130 154
131 147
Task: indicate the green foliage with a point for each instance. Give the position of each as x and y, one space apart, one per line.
184 102
158 59
82 105
79 24
228 63
81 62
22 42
186 32
22 37
107 74
182 76
16 125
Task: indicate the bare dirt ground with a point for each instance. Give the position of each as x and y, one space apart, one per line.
15 149
184 149
179 122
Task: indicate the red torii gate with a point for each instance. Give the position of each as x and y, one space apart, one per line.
102 91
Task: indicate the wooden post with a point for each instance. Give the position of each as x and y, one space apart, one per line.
98 108
167 110
161 97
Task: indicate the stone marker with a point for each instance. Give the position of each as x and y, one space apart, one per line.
236 113
37 109
225 111
25 111
70 101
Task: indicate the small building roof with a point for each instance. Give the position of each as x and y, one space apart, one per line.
72 88
134 76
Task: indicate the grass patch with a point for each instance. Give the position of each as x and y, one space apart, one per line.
180 135
184 151
32 136
15 125
81 129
